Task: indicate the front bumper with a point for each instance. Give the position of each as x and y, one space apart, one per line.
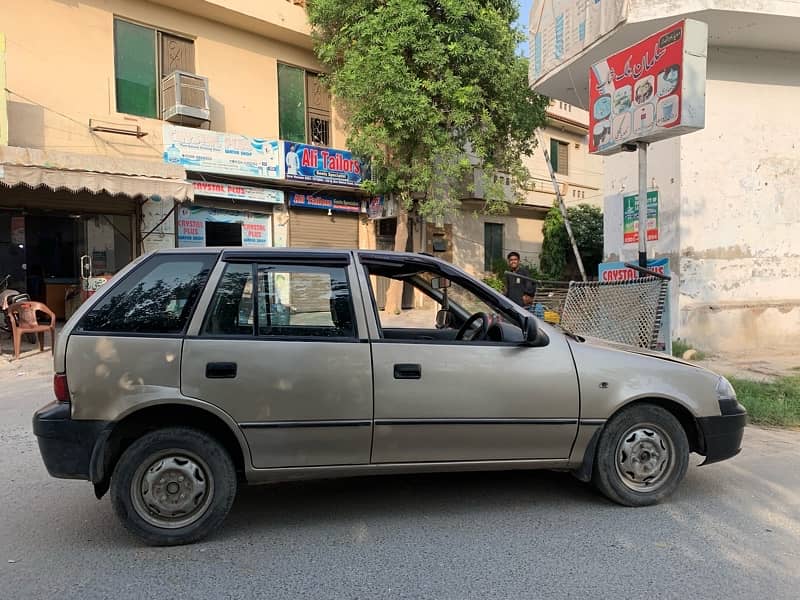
66 445
723 434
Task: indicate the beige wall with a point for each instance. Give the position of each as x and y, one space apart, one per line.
61 73
522 231
583 182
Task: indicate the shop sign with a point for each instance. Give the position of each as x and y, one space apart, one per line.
322 165
223 153
256 229
650 91
617 271
237 192
630 218
325 202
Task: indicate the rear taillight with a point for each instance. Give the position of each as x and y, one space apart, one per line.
60 387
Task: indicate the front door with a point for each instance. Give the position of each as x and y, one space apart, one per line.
279 350
439 398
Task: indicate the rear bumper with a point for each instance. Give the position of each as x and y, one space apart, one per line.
66 445
723 434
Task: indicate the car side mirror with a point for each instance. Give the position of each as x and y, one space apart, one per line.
530 331
443 319
440 283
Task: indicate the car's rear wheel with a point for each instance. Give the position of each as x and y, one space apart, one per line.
173 486
641 457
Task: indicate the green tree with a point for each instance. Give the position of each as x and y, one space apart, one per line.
587 226
420 81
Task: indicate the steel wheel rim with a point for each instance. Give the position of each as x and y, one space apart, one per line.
644 457
172 489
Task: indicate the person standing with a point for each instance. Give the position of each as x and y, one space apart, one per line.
518 284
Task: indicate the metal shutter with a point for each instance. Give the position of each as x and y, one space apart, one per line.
315 229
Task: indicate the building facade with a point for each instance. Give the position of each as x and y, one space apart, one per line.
728 216
479 240
135 125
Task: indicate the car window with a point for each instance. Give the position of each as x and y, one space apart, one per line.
420 302
157 297
292 301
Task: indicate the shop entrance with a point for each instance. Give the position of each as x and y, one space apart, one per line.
223 234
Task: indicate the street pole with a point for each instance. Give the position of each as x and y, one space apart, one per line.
563 208
642 205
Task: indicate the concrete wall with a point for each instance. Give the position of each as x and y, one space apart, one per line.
61 73
522 231
740 248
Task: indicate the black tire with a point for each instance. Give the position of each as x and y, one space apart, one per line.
628 465
184 472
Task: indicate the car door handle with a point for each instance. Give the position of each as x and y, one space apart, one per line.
407 372
221 370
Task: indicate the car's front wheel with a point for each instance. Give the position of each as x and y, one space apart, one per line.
173 486
642 456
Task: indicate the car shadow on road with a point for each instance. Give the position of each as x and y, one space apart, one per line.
401 497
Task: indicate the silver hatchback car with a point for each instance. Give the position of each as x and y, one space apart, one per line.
194 371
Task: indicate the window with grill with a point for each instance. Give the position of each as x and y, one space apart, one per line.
559 156
142 57
304 106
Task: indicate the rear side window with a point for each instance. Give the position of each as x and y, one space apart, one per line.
158 297
291 301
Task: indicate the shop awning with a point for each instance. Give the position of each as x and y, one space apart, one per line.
131 177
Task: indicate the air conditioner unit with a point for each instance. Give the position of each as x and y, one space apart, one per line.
184 99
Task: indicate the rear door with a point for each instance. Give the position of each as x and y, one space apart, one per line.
280 349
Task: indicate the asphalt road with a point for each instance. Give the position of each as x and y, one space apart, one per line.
732 530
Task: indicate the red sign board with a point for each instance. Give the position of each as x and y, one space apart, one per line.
638 93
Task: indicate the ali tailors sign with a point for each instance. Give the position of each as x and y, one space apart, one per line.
321 165
650 91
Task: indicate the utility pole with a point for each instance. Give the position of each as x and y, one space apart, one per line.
642 205
563 208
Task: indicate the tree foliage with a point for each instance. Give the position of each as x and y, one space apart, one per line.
587 226
418 81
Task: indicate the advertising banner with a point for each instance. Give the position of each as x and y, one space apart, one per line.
256 229
561 29
237 192
630 216
325 202
617 271
223 153
303 162
650 91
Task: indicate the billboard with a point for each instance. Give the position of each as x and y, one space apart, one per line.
256 228
325 202
319 164
630 218
650 91
222 153
561 29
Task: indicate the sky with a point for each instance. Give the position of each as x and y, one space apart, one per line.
524 12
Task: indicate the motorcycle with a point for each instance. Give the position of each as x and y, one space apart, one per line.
9 296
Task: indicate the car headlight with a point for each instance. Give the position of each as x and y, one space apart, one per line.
725 390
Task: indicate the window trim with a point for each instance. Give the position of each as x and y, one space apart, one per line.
157 53
306 114
109 289
256 335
